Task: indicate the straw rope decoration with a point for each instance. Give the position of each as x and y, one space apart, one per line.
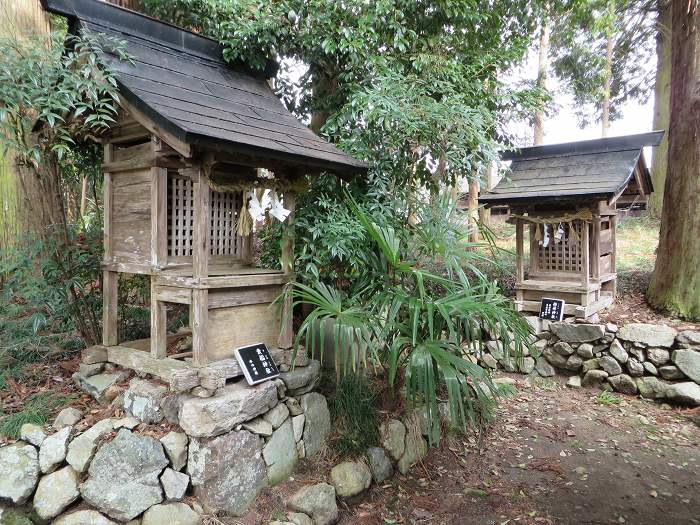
568 218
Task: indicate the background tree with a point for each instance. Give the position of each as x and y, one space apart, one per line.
602 54
675 284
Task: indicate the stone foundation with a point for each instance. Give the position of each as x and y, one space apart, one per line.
230 442
654 361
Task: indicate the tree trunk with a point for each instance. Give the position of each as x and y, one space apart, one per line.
675 284
83 198
607 82
473 209
542 66
322 87
661 103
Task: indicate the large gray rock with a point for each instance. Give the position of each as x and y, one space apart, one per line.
563 348
350 478
527 365
544 368
258 426
318 422
67 418
651 388
670 372
574 363
610 365
302 379
416 450
590 364
649 368
623 383
32 434
299 518
230 406
143 400
55 492
687 393
15 516
594 378
171 514
175 445
489 361
317 501
619 352
174 484
53 450
227 471
277 415
82 448
298 426
98 385
555 359
379 463
648 334
688 338
635 368
280 453
19 472
393 437
658 356
124 476
585 350
577 333
83 517
688 361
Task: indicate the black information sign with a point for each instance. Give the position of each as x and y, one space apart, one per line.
552 309
257 363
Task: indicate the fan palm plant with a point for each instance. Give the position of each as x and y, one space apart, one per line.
421 308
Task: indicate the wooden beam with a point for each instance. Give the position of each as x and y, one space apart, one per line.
182 148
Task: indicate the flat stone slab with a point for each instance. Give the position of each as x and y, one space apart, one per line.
82 448
98 384
688 361
577 332
83 517
230 406
318 422
280 453
648 334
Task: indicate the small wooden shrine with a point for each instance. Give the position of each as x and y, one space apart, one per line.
565 194
196 140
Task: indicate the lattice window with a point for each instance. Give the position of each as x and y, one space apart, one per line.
180 216
564 256
224 208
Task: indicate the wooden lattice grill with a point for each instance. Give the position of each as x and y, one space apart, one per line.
563 256
224 207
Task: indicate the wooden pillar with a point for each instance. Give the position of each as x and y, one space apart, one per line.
585 261
519 246
110 280
595 248
159 217
199 313
158 325
200 269
613 256
286 337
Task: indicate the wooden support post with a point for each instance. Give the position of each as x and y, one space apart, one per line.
202 218
286 337
534 251
159 214
613 255
158 324
585 261
110 284
519 242
110 280
198 323
595 248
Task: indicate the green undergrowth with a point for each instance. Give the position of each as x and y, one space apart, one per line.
37 409
353 408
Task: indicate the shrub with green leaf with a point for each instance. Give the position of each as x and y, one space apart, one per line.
420 310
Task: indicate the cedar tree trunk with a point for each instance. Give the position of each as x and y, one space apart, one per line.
675 284
542 65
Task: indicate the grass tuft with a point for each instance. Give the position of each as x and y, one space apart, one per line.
37 410
353 410
607 399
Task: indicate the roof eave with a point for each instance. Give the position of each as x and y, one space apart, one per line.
491 200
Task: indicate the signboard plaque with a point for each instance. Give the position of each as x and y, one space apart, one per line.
552 309
256 363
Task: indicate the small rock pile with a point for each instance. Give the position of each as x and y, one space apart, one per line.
654 361
232 444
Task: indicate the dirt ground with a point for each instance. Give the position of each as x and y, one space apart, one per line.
551 457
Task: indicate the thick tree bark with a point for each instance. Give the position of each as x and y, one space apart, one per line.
675 284
661 103
542 67
607 82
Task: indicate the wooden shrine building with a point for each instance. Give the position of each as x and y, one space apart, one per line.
565 194
195 136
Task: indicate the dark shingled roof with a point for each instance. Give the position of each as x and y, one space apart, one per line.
587 169
181 82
